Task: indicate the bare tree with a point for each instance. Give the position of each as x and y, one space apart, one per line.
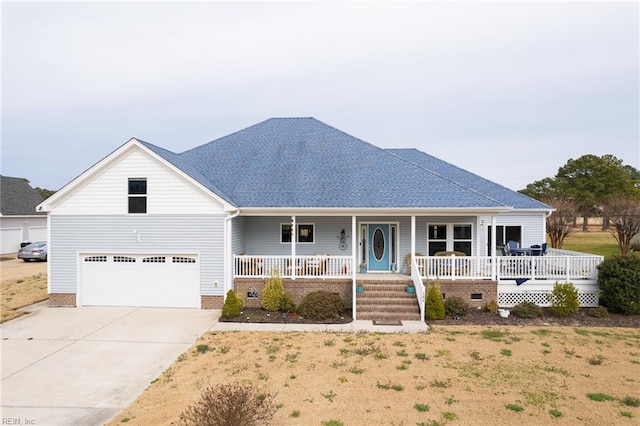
624 216
560 222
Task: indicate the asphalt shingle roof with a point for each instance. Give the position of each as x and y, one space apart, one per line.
302 162
17 197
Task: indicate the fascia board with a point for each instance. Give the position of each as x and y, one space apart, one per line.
281 211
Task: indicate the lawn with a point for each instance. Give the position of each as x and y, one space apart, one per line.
595 241
449 375
20 292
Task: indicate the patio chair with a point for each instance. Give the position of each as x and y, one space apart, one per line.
512 246
544 248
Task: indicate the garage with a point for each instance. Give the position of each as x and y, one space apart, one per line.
10 238
150 280
38 233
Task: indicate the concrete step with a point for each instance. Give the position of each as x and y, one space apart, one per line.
378 315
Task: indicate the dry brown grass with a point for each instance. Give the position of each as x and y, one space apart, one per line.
453 375
20 292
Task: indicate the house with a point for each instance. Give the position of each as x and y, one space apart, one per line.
326 210
19 220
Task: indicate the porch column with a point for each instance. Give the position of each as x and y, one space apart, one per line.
354 263
494 258
413 238
294 235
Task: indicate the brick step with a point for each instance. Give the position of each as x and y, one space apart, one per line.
388 316
377 294
389 309
403 301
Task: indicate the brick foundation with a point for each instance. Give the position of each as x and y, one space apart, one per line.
211 302
62 299
297 288
465 288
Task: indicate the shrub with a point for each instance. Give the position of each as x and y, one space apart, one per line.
434 305
564 299
232 305
527 310
286 303
599 312
491 306
230 405
321 305
619 282
456 306
273 292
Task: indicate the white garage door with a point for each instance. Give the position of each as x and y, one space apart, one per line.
10 238
38 233
157 280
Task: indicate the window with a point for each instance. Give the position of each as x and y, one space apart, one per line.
449 237
305 233
137 195
504 234
437 236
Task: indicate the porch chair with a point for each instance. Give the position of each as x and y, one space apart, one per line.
544 248
512 246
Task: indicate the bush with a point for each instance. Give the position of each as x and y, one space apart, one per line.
455 306
564 299
230 405
321 305
491 306
232 305
434 305
273 292
619 282
527 310
599 312
286 303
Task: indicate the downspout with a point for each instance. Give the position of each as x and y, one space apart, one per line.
228 252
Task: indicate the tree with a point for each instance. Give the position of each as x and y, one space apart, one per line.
560 222
590 180
44 193
624 214
542 189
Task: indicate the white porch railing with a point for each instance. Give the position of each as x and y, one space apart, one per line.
300 266
418 284
558 265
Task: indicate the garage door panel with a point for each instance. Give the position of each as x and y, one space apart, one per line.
10 239
140 280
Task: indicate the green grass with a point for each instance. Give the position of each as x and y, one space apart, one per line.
514 407
600 243
600 397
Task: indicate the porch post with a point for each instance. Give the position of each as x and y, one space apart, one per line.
413 237
294 235
493 254
354 264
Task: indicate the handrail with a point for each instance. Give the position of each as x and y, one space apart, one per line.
418 283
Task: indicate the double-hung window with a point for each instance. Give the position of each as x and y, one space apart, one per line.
304 234
448 237
137 195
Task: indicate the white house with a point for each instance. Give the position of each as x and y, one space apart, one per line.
149 227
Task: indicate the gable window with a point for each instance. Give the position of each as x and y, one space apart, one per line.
304 234
137 195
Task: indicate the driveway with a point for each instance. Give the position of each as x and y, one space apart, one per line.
63 366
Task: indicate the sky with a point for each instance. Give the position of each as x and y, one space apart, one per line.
508 90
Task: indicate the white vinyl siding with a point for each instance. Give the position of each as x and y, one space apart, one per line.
167 191
531 225
197 234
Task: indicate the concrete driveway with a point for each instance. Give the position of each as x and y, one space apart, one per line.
63 366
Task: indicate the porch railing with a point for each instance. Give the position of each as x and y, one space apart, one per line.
418 284
558 265
246 266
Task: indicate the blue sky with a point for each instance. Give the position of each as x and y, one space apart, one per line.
507 90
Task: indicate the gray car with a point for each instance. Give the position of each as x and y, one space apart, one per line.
34 251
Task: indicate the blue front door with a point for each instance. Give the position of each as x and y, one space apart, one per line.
379 247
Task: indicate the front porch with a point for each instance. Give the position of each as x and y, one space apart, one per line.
478 279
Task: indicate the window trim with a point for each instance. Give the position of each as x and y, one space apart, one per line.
298 225
135 195
450 239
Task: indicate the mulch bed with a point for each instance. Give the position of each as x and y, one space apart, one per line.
475 317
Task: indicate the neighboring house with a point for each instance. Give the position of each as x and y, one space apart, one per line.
19 220
149 227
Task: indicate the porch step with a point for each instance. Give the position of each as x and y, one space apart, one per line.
387 300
